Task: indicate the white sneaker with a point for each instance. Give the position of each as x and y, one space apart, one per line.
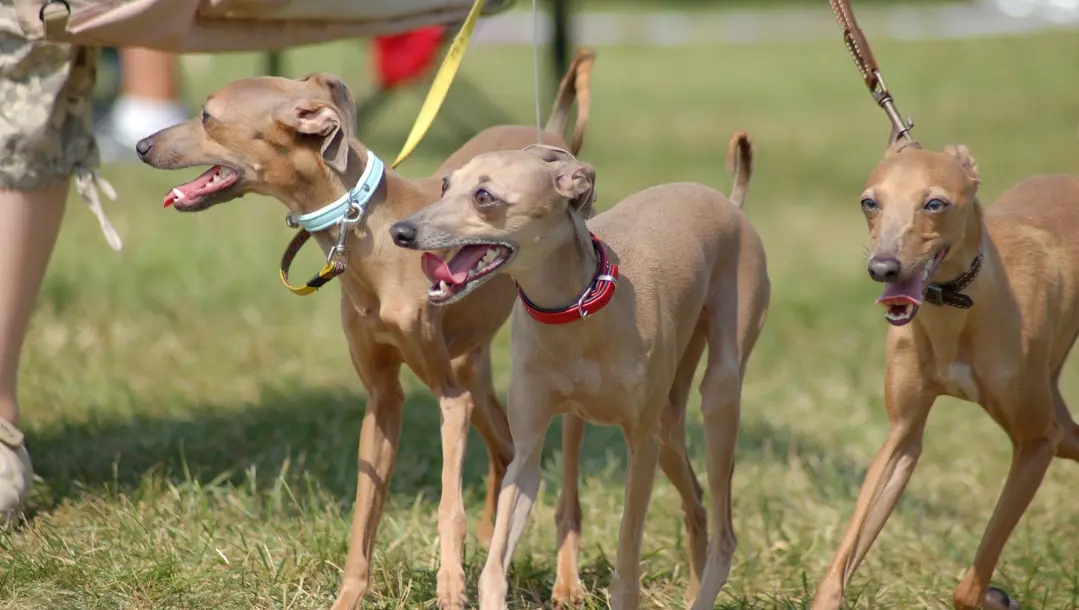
16 473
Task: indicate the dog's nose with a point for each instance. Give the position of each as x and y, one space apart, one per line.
403 234
143 146
883 269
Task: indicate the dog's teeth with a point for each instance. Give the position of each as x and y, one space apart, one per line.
179 194
224 172
443 286
433 292
480 264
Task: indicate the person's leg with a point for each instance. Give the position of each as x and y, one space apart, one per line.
45 136
149 101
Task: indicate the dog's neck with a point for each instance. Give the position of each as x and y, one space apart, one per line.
393 199
560 278
987 289
964 252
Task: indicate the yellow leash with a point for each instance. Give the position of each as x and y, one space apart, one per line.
441 85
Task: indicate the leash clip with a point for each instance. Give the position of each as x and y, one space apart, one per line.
883 97
352 216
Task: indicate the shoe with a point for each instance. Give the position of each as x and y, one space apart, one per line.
128 121
16 473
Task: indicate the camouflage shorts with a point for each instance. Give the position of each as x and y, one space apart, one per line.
46 108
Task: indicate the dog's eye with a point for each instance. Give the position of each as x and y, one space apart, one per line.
484 198
869 205
445 184
935 205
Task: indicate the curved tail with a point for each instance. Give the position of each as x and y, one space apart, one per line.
574 86
740 163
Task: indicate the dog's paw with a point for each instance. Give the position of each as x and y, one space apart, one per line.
564 594
997 599
348 600
451 593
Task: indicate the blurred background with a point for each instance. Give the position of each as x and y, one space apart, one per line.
194 425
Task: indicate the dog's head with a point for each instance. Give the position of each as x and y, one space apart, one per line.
273 136
500 211
920 206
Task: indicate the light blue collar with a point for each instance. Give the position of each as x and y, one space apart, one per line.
347 206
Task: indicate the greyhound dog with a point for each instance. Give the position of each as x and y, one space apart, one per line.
294 140
983 306
630 363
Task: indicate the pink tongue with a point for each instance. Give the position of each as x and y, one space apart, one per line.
437 270
912 289
456 271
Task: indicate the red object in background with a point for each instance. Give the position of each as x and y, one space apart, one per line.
403 57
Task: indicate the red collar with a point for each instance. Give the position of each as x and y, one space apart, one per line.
595 297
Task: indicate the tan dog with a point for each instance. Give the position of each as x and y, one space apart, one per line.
689 270
1003 312
293 140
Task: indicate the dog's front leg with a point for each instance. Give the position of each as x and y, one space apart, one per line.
530 412
456 405
379 369
567 583
626 581
908 402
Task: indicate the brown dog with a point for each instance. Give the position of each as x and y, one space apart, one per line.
294 140
625 358
984 306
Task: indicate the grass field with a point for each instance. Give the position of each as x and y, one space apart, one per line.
194 425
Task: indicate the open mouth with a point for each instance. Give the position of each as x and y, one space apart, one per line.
199 193
464 271
902 298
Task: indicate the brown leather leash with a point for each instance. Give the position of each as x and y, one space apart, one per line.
867 65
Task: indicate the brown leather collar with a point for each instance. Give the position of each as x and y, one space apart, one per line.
949 292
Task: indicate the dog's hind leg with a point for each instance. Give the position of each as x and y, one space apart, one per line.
721 397
1069 442
489 418
675 463
1035 436
567 583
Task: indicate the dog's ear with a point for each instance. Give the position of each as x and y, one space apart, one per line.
576 181
337 91
318 118
966 161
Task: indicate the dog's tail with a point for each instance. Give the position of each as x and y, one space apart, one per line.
574 86
740 163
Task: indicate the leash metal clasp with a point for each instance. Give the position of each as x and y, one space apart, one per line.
340 250
900 128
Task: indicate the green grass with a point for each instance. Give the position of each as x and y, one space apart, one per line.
194 425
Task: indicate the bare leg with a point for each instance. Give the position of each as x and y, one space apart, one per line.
27 236
379 368
567 583
626 580
149 74
908 405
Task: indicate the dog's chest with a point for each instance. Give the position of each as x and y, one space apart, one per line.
957 379
595 388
